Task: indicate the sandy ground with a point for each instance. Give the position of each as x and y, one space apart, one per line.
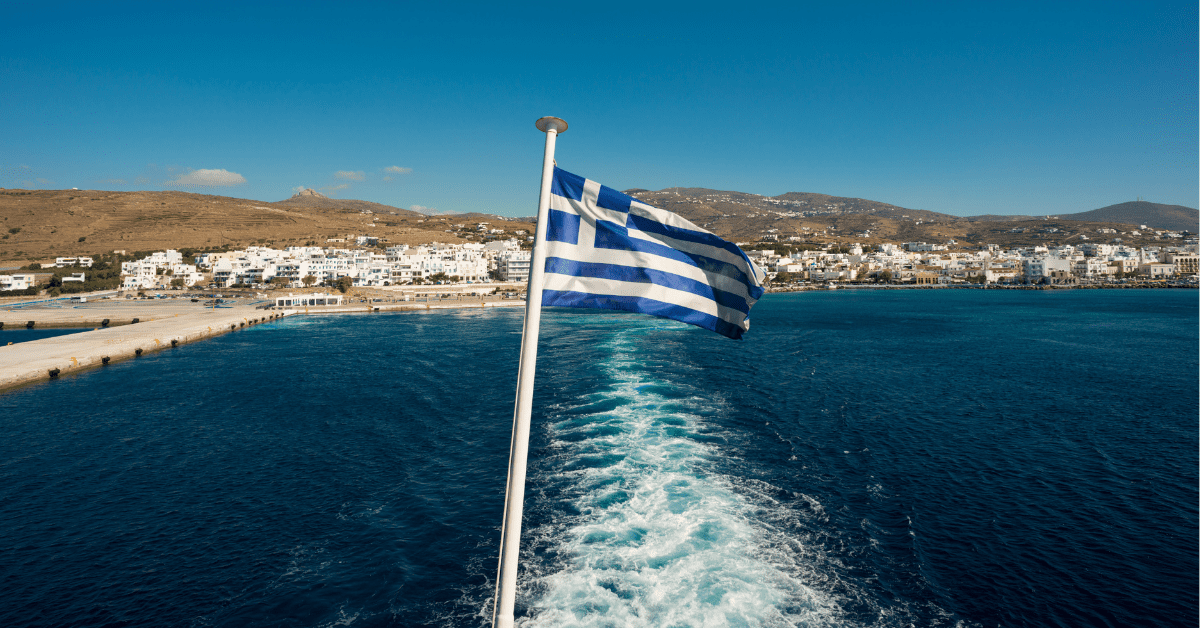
162 324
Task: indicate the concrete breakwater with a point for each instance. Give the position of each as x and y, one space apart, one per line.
48 358
124 330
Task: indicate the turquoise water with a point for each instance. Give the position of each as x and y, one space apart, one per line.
860 459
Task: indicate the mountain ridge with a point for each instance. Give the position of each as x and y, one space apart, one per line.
712 203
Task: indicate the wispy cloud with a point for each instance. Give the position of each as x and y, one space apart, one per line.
391 172
44 181
119 181
350 175
205 178
335 188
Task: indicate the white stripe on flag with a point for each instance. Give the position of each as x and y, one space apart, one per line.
614 287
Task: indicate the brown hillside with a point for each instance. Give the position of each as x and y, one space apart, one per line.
1154 215
310 200
40 224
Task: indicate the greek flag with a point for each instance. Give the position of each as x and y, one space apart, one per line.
611 251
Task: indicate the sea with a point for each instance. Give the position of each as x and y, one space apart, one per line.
861 458
19 335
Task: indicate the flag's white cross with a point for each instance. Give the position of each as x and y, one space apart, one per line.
585 250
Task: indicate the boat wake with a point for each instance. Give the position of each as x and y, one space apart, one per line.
640 530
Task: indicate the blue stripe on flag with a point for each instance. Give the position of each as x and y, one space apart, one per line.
641 305
650 225
636 274
563 227
567 185
613 200
616 237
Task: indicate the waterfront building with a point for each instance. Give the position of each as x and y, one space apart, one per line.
1157 270
513 265
307 300
1185 263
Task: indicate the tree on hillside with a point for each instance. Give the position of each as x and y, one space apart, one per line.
344 284
885 276
309 280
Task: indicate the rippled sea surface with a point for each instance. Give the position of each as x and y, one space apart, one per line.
931 458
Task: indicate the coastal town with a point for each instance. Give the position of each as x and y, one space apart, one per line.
368 265
146 302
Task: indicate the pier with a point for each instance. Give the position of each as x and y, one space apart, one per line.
124 330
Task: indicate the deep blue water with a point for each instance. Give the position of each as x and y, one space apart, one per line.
931 458
19 335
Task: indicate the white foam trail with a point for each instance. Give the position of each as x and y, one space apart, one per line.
658 539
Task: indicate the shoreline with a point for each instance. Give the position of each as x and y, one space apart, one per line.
124 331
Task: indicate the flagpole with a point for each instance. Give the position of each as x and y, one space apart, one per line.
514 498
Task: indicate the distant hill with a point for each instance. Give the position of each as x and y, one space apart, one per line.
1156 215
810 217
1153 215
311 199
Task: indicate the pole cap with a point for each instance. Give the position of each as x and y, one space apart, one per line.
550 123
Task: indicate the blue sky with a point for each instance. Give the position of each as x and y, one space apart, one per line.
962 108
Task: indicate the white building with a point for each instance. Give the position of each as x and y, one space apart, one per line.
63 262
1034 269
16 282
513 265
307 300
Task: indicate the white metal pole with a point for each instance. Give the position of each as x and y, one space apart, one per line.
514 499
